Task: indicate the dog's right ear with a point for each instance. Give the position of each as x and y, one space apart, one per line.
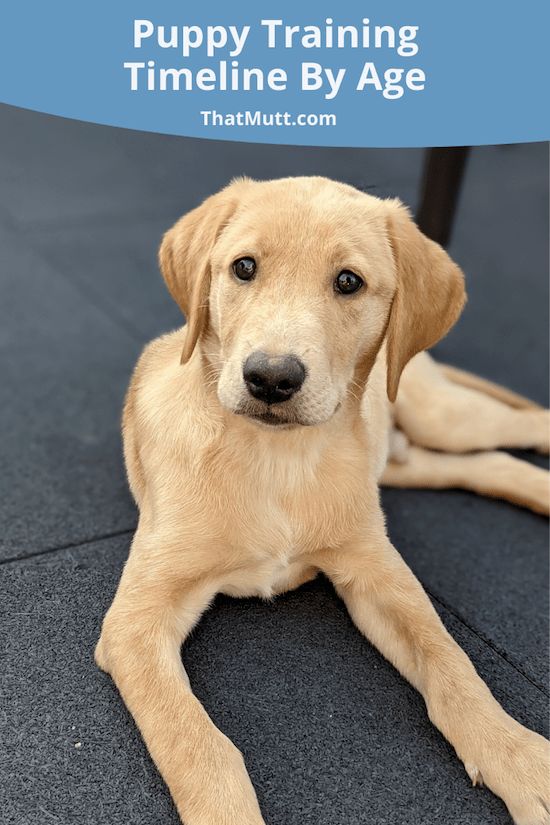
184 258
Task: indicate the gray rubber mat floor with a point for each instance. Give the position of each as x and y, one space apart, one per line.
331 734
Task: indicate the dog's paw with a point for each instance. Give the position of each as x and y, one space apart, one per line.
537 490
398 447
519 772
542 432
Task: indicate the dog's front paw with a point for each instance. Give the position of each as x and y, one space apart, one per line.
518 770
537 491
542 432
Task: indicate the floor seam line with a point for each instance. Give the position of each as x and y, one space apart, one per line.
69 546
486 641
106 309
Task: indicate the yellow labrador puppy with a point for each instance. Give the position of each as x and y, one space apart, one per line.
255 440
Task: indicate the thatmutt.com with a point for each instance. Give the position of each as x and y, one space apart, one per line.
213 118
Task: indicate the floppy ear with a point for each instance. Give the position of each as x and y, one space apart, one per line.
429 297
184 259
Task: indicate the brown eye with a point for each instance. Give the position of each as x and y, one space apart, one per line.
347 282
244 268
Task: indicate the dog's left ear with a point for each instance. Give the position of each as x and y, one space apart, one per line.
429 297
184 258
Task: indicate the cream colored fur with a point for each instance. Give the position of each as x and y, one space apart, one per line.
231 505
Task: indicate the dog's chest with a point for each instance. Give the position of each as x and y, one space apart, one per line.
283 523
266 541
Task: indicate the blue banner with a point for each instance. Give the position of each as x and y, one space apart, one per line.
325 73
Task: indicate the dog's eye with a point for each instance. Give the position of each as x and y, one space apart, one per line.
347 282
244 268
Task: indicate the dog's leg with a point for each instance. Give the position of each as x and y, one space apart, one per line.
143 630
389 606
483 385
493 474
440 414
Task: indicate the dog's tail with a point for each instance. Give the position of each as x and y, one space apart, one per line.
475 382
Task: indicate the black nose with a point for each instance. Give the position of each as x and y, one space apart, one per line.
273 378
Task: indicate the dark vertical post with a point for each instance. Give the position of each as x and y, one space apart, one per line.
443 174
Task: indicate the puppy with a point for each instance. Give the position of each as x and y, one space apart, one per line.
255 439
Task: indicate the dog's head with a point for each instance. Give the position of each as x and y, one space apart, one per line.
293 285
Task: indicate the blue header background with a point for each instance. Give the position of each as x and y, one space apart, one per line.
486 65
